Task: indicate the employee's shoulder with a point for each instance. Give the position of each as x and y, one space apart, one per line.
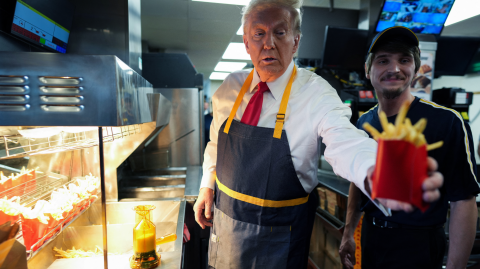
367 116
433 112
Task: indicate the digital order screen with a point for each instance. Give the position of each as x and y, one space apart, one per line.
36 27
420 16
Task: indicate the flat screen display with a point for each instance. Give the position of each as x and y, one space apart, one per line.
475 64
344 48
455 55
46 23
420 16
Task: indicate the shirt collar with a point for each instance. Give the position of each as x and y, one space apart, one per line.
277 86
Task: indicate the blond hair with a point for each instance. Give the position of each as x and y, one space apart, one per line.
291 5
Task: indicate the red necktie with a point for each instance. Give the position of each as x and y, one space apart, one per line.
254 107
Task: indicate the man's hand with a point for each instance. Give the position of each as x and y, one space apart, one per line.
430 188
203 207
347 252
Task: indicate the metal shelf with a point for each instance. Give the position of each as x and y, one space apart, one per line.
50 236
36 189
15 146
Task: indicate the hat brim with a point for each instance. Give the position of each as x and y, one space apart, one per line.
396 31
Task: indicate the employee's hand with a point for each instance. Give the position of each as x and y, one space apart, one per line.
430 188
203 207
347 251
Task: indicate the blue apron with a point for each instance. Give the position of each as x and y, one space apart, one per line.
261 209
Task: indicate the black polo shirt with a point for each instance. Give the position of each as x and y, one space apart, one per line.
456 160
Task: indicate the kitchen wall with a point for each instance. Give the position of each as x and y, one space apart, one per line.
214 84
470 83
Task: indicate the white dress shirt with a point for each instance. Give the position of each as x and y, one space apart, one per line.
314 111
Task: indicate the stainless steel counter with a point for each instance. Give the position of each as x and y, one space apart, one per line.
192 182
337 184
86 232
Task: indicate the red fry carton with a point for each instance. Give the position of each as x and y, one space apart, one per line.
33 230
400 171
31 175
5 185
17 180
5 217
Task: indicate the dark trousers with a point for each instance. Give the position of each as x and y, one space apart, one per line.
402 248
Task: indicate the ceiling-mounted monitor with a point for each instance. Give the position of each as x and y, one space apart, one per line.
420 16
46 23
344 48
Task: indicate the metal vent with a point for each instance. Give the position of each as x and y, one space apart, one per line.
13 79
14 108
61 90
60 108
14 97
14 89
60 80
60 98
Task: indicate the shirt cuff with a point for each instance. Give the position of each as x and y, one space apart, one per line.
360 183
208 180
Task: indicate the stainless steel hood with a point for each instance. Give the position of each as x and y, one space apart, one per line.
48 89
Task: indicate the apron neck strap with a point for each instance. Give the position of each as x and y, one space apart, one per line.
283 106
281 112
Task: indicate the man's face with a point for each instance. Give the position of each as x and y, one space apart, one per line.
391 73
271 42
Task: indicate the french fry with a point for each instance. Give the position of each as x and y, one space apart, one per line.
420 125
402 133
369 128
401 114
390 130
383 120
435 145
402 130
408 123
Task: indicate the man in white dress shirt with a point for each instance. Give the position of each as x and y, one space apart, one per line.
262 173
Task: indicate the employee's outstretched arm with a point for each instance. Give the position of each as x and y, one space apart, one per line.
347 247
463 220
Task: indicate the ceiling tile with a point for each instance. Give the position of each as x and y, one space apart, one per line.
161 23
165 8
227 13
468 27
218 27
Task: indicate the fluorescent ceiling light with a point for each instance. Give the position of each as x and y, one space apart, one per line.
240 30
462 10
229 66
231 2
236 51
218 76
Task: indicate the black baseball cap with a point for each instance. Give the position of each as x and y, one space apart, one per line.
395 31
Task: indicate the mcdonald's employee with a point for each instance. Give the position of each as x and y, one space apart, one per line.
414 240
262 158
